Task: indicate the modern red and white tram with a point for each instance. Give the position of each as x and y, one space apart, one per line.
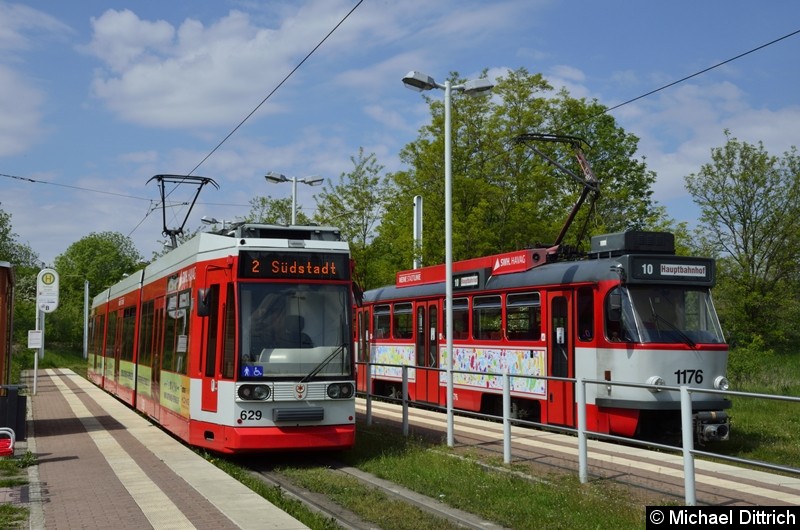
236 342
631 311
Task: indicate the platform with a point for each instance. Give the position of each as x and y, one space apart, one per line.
101 465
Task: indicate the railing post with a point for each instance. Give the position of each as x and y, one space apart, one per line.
405 400
369 392
506 417
583 457
687 433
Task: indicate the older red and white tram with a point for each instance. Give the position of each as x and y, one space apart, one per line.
236 342
631 311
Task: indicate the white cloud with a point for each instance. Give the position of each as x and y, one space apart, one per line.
20 108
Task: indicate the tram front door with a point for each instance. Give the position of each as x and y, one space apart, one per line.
427 346
560 354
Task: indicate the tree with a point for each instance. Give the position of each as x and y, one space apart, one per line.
102 259
506 197
26 265
267 210
355 206
750 220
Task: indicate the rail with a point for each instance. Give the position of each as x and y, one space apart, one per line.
583 434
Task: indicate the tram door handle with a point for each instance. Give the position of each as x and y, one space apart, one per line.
213 385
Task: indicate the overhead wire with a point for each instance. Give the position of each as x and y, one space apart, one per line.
277 87
681 80
37 181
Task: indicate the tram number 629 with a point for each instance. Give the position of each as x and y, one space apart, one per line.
687 377
252 415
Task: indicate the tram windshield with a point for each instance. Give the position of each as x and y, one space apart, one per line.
664 314
294 330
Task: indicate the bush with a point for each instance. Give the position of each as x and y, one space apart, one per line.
746 362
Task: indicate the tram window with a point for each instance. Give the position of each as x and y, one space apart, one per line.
128 328
487 317
145 357
97 334
168 359
182 323
619 317
229 334
460 319
585 314
111 338
523 316
176 333
381 321
402 321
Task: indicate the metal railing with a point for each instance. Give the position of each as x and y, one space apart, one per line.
687 448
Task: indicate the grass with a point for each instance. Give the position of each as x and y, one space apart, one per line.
766 429
13 472
509 499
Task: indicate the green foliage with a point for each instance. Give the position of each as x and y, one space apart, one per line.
750 220
101 259
26 266
267 210
746 362
355 206
506 197
18 254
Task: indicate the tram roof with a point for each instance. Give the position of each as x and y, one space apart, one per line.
558 273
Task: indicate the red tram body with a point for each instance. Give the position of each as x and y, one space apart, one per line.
6 320
236 342
631 311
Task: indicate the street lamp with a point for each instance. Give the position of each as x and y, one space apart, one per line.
277 178
418 81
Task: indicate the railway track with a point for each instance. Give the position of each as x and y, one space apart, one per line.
321 504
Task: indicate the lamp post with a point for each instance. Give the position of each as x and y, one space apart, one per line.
277 178
418 81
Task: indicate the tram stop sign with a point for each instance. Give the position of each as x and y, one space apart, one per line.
47 290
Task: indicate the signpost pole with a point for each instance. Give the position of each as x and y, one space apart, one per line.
46 302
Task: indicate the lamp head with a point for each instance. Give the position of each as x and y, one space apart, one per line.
418 81
312 181
275 177
476 86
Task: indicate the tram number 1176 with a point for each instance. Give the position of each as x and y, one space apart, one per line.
688 377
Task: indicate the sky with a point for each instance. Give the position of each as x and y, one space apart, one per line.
97 97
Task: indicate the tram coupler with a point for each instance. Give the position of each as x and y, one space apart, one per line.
711 426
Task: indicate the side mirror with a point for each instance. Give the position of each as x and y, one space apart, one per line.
358 294
614 307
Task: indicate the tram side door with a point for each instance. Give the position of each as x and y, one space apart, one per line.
212 346
561 359
362 343
427 346
158 352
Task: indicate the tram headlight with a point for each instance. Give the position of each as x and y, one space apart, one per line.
340 390
721 383
253 392
655 380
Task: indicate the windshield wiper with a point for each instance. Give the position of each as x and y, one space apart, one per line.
676 329
317 369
